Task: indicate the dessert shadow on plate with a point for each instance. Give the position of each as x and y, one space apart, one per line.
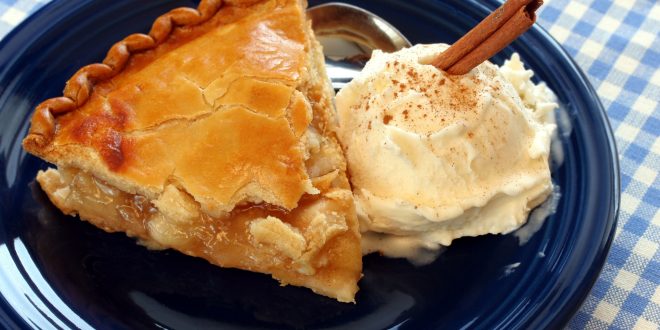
109 273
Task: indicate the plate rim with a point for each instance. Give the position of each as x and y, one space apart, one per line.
596 268
10 319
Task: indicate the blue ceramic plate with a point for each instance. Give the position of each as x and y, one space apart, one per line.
58 272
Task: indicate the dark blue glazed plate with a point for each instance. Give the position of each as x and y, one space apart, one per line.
57 272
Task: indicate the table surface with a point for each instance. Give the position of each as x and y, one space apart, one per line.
617 44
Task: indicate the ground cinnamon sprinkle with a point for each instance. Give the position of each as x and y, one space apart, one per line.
461 96
412 74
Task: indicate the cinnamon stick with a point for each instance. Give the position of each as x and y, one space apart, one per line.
490 36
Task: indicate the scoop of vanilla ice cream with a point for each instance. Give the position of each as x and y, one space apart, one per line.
433 157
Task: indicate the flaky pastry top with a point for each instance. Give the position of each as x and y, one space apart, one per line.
209 101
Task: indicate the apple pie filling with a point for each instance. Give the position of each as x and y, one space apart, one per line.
258 237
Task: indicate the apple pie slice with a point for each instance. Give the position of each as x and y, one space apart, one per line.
212 135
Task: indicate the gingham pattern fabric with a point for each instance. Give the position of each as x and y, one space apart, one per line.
617 44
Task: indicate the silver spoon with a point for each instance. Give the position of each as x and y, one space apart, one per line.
348 35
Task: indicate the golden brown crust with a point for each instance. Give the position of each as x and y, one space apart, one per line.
131 119
207 135
80 85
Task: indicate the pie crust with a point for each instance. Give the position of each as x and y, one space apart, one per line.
213 135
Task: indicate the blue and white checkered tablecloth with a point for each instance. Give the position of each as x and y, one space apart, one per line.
617 43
